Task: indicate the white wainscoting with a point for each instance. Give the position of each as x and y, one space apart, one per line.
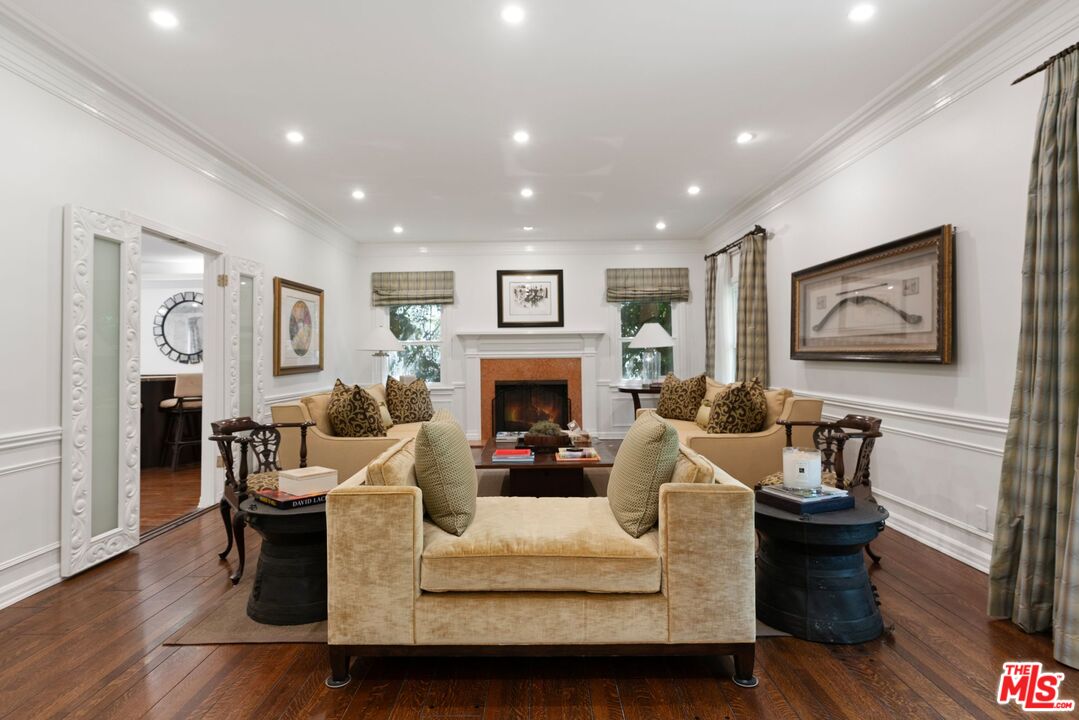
30 547
616 409
936 470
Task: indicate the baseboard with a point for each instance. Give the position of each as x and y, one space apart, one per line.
33 572
965 543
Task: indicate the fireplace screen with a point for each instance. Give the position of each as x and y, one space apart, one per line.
518 405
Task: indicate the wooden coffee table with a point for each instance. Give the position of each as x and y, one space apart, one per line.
547 477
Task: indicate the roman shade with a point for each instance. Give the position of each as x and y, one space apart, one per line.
627 284
412 288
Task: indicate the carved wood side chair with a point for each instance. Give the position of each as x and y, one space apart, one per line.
260 443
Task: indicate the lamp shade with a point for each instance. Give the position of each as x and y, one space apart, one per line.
383 340
651 335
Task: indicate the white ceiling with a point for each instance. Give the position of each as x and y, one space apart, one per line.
627 101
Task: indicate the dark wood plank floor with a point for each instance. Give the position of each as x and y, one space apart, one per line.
165 496
92 648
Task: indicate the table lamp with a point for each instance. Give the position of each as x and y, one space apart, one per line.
648 338
382 342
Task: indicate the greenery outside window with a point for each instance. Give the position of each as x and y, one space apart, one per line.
419 328
632 316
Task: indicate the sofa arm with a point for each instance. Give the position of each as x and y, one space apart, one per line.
373 545
707 544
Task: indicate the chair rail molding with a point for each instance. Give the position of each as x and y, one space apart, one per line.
30 438
1008 34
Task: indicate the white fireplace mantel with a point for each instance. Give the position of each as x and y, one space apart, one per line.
530 343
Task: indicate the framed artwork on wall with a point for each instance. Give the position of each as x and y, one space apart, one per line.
298 324
530 298
890 303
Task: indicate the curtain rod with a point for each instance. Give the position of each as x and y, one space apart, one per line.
1046 64
757 230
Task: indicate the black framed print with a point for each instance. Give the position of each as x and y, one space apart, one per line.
530 298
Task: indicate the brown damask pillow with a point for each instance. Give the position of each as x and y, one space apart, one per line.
353 412
680 399
408 403
742 409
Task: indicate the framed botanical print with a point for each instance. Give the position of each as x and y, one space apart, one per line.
891 303
298 324
530 298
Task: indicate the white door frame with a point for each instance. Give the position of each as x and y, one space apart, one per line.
237 267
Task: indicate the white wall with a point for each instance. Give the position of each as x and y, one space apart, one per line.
937 466
57 153
584 264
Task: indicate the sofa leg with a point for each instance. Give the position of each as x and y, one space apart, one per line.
339 660
743 665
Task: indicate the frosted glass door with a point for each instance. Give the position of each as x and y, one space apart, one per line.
99 491
247 345
244 333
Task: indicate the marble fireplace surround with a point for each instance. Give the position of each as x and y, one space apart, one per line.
529 355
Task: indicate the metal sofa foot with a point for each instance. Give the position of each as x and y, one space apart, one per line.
333 684
750 682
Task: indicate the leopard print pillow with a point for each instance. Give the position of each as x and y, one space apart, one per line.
408 403
680 399
742 409
353 412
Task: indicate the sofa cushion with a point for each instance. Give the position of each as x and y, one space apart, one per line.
679 399
408 403
378 392
691 467
316 409
396 466
703 412
686 430
776 399
353 412
713 387
540 544
741 409
645 460
446 474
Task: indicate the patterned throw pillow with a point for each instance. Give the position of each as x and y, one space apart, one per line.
645 460
703 413
742 409
408 403
353 412
446 474
680 399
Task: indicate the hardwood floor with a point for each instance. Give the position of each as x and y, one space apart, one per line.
165 496
91 647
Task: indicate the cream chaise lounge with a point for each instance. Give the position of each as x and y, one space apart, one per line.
346 455
540 576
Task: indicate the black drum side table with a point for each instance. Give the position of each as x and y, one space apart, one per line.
811 579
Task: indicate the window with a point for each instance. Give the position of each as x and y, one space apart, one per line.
633 315
419 328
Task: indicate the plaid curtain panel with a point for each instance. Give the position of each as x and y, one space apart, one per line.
627 284
1034 573
710 317
412 288
751 353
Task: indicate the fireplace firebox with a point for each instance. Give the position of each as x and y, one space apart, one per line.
518 404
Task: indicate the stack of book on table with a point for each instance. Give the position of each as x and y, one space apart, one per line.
577 454
829 499
508 436
513 455
299 488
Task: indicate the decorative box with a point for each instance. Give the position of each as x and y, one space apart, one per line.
308 480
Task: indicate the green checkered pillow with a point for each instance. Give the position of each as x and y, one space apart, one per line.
446 474
645 460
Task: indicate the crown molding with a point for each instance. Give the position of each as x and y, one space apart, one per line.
30 52
1011 33
625 249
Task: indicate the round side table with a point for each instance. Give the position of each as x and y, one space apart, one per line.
811 578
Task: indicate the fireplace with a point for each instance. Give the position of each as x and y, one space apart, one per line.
518 404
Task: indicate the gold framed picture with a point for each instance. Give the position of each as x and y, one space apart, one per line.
890 303
298 327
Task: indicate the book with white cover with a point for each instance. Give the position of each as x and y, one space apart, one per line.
308 480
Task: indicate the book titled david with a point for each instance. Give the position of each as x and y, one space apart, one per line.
284 501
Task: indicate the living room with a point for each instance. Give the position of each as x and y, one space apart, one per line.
476 216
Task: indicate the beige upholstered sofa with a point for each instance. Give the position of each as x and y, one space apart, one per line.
751 457
346 455
548 576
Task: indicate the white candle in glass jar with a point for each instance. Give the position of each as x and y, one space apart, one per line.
801 468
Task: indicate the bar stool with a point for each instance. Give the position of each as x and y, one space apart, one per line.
185 405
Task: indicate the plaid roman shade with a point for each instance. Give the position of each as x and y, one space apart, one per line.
412 288
627 284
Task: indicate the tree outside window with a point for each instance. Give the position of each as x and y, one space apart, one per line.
419 328
633 315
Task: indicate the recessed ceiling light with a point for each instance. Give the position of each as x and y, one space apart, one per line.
521 137
638 248
744 137
164 19
528 228
861 13
694 189
526 192
661 225
529 248
358 194
294 136
397 229
513 14
423 249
